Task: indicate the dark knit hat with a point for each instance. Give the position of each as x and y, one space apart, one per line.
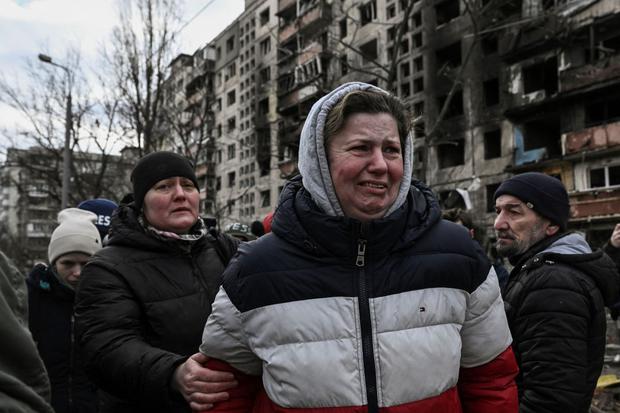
542 193
156 166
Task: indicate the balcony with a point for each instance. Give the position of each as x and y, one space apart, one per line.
286 4
286 32
599 203
295 96
315 18
587 75
590 139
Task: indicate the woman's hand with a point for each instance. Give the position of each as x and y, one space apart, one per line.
200 386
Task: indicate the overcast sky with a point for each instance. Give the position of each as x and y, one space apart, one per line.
29 26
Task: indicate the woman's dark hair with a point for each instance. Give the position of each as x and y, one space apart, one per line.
364 101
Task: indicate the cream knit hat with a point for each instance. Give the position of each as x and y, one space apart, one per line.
76 232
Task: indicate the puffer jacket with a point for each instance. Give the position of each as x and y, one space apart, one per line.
50 311
401 314
140 309
555 303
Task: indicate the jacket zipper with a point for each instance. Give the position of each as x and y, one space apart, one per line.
366 324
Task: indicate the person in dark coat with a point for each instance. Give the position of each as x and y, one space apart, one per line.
51 294
555 298
24 384
144 298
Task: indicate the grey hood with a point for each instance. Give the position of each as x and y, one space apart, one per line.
570 244
313 164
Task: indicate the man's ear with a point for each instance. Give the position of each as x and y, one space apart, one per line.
551 229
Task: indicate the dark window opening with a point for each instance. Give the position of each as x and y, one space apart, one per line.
493 144
541 76
603 48
368 12
451 154
404 46
232 124
391 34
343 28
405 90
605 177
417 40
264 17
231 98
543 133
418 64
230 44
449 55
447 11
265 74
344 65
265 198
417 20
455 107
263 107
263 156
419 130
369 50
404 69
490 192
599 113
231 179
491 92
391 11
418 85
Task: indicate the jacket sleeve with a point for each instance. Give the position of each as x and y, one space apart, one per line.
242 399
488 366
225 343
110 334
552 329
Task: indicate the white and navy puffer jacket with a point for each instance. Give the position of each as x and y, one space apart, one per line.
401 314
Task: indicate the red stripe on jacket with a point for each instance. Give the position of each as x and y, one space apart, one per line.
489 388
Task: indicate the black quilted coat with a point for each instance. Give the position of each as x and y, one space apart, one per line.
141 306
555 302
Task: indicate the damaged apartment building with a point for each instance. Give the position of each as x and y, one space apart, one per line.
495 88
500 87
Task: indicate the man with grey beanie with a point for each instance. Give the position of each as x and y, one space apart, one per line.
556 295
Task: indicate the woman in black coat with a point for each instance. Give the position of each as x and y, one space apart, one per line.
144 298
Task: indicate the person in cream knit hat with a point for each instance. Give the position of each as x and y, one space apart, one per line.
76 233
51 293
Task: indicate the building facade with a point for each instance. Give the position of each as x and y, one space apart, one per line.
31 192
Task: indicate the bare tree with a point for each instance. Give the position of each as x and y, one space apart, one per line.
41 100
136 65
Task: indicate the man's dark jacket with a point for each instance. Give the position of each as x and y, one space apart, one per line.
141 306
50 318
555 302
